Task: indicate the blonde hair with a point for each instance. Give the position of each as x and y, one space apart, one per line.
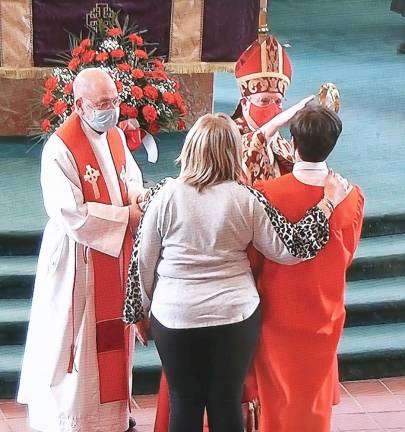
212 152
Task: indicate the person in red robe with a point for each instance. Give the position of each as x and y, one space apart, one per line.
263 73
303 309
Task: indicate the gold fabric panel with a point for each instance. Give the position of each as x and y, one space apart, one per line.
177 68
186 31
16 33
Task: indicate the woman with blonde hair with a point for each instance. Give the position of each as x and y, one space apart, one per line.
190 269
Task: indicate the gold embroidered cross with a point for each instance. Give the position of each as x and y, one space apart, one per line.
92 176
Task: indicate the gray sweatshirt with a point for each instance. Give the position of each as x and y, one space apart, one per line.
190 261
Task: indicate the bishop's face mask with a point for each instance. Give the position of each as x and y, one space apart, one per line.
261 108
263 114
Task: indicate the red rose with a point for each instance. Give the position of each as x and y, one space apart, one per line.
46 125
158 74
132 112
117 53
168 98
119 86
68 89
158 63
149 113
60 107
154 127
138 73
77 51
86 43
124 67
47 98
150 92
102 57
88 56
181 124
135 39
74 64
51 83
137 92
141 54
114 31
124 109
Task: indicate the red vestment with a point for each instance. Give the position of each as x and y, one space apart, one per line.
303 315
112 335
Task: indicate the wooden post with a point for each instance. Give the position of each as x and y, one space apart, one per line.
263 29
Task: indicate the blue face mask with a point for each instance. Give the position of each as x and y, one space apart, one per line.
103 120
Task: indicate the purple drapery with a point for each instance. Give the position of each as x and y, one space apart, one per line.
229 27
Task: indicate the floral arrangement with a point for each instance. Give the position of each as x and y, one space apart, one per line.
148 94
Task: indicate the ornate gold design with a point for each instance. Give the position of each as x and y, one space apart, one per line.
276 83
273 53
100 11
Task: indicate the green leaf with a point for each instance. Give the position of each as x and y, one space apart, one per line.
125 26
151 53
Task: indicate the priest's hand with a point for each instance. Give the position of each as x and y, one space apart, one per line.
141 331
142 198
137 194
135 214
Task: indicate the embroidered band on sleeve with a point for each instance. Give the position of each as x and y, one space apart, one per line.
303 239
133 309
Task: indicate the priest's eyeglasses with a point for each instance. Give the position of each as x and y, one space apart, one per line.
105 104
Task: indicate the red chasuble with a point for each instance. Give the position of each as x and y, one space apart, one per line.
303 315
112 335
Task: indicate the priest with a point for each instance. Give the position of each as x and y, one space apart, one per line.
76 372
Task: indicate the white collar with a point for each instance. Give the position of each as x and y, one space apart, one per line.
311 173
310 166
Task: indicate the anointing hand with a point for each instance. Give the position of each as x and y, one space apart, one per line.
282 119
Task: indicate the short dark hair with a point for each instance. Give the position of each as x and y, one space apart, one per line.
315 130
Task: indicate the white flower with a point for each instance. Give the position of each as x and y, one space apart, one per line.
109 45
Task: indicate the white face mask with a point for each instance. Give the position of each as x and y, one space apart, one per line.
103 120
